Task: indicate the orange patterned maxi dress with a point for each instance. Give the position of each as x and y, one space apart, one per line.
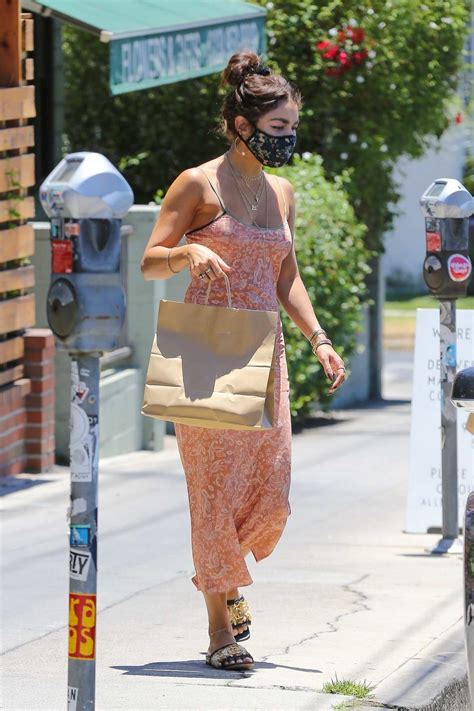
238 481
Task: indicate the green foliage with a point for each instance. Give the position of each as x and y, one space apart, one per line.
332 259
393 103
468 179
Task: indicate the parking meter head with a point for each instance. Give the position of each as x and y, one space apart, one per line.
447 206
85 196
85 185
462 392
447 197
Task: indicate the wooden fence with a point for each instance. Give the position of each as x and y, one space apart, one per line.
17 176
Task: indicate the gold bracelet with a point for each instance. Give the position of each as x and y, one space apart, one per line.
169 263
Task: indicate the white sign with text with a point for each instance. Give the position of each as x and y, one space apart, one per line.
424 487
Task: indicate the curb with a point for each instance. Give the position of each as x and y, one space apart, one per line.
454 697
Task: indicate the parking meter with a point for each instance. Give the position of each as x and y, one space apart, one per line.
85 196
463 396
447 206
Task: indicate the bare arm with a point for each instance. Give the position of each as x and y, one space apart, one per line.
294 298
178 210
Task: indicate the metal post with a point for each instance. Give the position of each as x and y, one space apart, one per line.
84 451
449 465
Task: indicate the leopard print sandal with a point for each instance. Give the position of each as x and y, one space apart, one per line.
239 614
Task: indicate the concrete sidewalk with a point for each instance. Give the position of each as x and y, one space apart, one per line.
345 593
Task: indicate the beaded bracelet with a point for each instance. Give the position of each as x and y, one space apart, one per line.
169 263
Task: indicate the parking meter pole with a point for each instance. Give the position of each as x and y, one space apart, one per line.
469 591
449 472
84 453
85 196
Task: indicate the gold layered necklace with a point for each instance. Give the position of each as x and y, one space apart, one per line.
251 204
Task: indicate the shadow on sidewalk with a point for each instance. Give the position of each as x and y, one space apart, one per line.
197 669
344 415
10 484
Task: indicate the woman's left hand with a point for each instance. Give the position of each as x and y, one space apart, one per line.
333 366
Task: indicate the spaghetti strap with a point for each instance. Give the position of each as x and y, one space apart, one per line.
214 189
284 203
283 196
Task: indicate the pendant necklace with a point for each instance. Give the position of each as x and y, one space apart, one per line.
247 204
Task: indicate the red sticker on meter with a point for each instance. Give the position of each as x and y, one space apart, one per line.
433 242
459 267
61 252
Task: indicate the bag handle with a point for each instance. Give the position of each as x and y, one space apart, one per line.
227 286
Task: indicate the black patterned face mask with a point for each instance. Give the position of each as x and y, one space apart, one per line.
273 151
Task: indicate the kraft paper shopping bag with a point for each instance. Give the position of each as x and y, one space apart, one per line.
212 366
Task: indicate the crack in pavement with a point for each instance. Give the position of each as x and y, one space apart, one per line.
360 603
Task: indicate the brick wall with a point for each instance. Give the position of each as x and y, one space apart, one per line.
13 426
39 368
27 409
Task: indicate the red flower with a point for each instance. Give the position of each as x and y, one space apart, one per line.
332 52
459 117
357 34
323 45
344 59
359 56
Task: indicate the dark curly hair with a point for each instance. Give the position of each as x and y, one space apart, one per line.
256 91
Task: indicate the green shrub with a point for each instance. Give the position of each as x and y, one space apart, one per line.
332 259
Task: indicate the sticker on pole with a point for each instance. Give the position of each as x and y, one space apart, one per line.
80 535
80 462
82 614
72 698
459 267
79 564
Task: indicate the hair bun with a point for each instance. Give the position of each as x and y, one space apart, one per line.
241 65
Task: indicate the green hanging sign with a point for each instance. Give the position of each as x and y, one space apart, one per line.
148 60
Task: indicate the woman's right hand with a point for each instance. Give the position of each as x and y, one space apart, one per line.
201 258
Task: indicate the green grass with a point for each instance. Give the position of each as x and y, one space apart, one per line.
424 302
348 687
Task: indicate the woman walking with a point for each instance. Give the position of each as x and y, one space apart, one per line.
239 220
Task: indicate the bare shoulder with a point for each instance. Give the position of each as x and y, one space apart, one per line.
189 178
286 186
195 177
